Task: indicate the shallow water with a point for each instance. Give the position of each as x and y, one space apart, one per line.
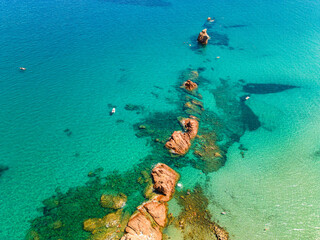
83 58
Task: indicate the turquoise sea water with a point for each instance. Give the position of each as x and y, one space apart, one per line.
84 57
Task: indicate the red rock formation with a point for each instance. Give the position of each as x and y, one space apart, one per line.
158 211
189 85
140 228
203 37
191 126
148 222
165 179
178 143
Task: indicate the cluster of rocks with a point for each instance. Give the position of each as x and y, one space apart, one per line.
151 217
180 141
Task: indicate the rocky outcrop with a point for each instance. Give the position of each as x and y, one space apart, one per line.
180 142
158 211
203 37
165 179
189 85
141 228
147 223
191 126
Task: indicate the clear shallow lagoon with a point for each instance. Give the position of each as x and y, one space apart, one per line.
82 56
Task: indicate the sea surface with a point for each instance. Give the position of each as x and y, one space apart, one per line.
85 57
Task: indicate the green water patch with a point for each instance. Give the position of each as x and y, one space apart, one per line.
265 88
81 212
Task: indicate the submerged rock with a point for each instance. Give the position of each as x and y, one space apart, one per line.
195 221
110 226
113 201
193 109
203 37
208 152
3 169
132 107
265 88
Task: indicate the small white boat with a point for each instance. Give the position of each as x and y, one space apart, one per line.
22 68
113 111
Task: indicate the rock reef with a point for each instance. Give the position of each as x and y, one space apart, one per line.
203 37
195 221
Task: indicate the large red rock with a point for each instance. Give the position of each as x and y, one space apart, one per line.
191 126
203 37
189 85
165 179
140 228
157 210
179 143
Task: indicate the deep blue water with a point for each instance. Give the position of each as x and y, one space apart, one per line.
82 57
